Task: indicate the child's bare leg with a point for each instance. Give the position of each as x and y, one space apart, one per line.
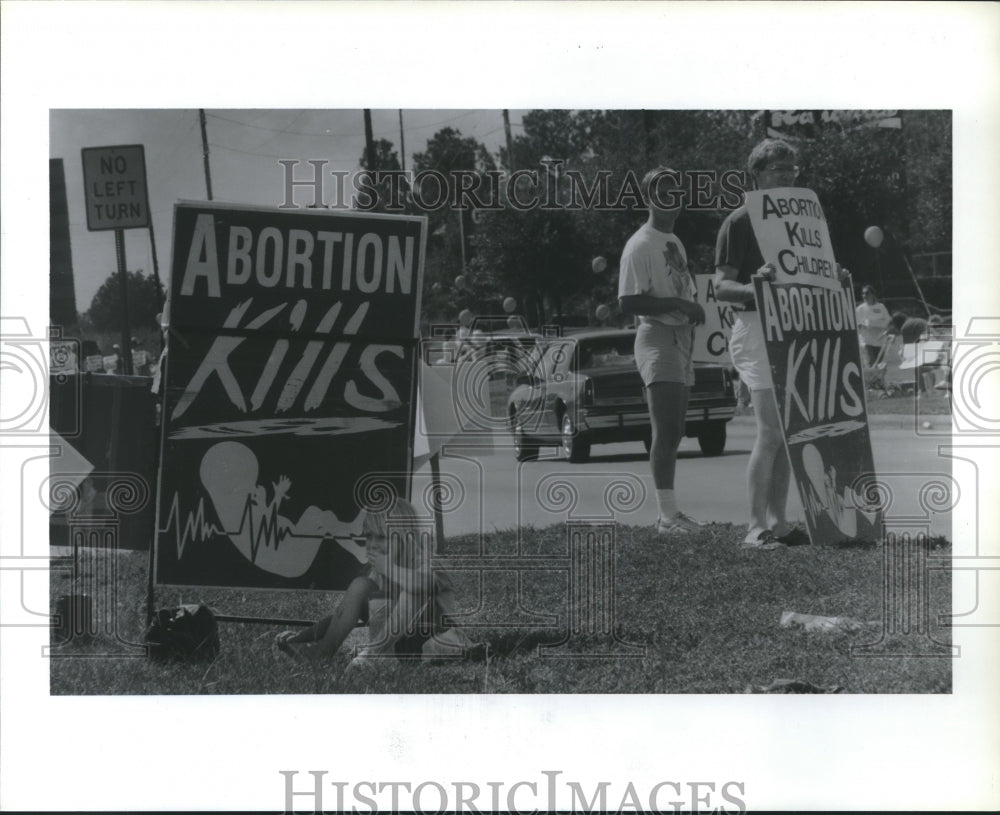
312 633
345 618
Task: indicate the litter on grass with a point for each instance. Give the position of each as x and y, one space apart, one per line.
813 622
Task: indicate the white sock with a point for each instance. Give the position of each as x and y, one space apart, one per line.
667 503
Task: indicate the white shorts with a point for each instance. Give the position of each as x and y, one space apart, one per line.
746 346
663 353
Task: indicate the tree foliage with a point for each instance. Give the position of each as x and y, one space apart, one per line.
144 298
898 179
449 151
385 157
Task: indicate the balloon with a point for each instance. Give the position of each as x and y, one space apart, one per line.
509 304
874 237
599 264
603 312
465 317
460 282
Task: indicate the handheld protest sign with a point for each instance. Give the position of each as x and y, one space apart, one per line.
791 231
711 338
810 335
289 398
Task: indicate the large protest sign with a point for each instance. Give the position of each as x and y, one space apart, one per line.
811 337
289 394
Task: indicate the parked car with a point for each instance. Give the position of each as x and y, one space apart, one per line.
585 389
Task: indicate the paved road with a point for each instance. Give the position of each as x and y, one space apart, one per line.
486 489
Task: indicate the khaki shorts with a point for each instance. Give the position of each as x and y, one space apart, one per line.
663 353
746 346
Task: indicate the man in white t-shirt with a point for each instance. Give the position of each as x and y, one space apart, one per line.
655 285
873 320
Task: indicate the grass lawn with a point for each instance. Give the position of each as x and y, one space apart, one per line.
936 403
702 615
697 615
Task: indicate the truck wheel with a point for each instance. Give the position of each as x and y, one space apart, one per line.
574 449
523 449
712 439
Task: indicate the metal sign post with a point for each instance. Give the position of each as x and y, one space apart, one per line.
123 280
114 183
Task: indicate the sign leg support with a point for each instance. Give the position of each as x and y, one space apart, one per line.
126 349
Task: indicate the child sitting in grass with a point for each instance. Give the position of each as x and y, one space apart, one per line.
406 601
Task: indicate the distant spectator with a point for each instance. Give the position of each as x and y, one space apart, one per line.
935 355
873 319
92 356
140 358
896 323
913 329
112 362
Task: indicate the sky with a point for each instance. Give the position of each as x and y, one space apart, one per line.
244 149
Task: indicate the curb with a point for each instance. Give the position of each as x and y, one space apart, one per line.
882 421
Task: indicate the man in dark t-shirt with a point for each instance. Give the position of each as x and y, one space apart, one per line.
772 163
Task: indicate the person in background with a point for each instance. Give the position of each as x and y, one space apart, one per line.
934 355
655 285
113 362
912 329
873 319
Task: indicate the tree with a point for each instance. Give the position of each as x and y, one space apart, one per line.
144 298
385 157
536 256
895 178
386 160
547 254
447 152
899 179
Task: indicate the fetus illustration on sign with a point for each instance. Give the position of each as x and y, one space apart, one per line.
823 494
255 524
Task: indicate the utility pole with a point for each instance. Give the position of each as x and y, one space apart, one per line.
510 146
402 143
204 152
156 267
372 160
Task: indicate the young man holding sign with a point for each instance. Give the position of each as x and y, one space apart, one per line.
655 285
772 164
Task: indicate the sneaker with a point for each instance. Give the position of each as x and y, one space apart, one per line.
795 536
762 540
679 524
360 664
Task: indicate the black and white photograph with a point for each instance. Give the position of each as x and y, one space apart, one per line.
590 411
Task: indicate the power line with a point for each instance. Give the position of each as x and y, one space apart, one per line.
329 134
273 155
277 129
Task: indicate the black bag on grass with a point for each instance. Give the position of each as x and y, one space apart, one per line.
185 633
